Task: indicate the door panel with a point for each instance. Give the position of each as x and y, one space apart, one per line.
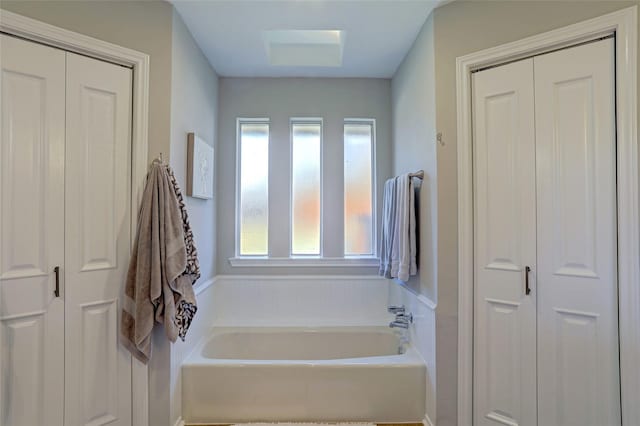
31 233
504 206
98 382
576 234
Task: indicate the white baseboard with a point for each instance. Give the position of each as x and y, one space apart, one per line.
179 422
427 421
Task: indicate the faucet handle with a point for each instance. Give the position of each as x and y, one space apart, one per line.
405 317
396 309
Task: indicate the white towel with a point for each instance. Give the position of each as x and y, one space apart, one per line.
403 249
388 226
413 265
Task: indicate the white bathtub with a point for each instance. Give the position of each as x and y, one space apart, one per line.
303 374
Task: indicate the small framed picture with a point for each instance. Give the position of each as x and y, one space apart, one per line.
199 168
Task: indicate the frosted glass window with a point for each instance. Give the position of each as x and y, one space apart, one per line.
358 189
254 189
305 188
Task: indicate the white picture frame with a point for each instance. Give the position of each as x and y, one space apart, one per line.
200 164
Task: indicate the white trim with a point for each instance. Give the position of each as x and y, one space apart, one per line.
628 214
306 120
430 304
427 302
239 122
374 187
280 278
427 421
43 33
624 24
179 422
201 287
304 261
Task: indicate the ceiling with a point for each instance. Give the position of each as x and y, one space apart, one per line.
237 35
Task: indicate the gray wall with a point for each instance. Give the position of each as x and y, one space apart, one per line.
456 29
144 26
414 146
194 103
279 99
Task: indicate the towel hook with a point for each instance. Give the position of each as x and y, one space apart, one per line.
158 160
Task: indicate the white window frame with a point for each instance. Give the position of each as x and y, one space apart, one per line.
306 120
374 202
304 261
239 122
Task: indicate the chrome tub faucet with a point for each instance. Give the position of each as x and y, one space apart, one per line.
403 319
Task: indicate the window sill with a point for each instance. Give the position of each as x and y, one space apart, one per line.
302 262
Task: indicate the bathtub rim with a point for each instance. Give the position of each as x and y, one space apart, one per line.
410 357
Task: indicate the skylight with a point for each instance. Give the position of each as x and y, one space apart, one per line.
304 48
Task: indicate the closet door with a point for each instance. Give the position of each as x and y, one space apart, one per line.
98 379
577 275
504 245
31 233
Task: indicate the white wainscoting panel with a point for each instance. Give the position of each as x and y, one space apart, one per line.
299 300
423 336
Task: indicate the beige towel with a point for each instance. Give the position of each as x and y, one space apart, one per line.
156 282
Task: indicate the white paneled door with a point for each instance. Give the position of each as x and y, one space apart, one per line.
545 308
505 214
97 223
65 206
579 379
32 234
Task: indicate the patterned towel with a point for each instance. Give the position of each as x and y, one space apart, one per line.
185 310
162 269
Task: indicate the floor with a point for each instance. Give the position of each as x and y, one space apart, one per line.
310 423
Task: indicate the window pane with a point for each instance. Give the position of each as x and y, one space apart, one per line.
254 188
358 185
305 227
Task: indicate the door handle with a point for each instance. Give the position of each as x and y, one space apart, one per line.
56 271
527 289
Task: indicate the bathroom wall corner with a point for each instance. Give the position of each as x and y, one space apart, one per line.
194 103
